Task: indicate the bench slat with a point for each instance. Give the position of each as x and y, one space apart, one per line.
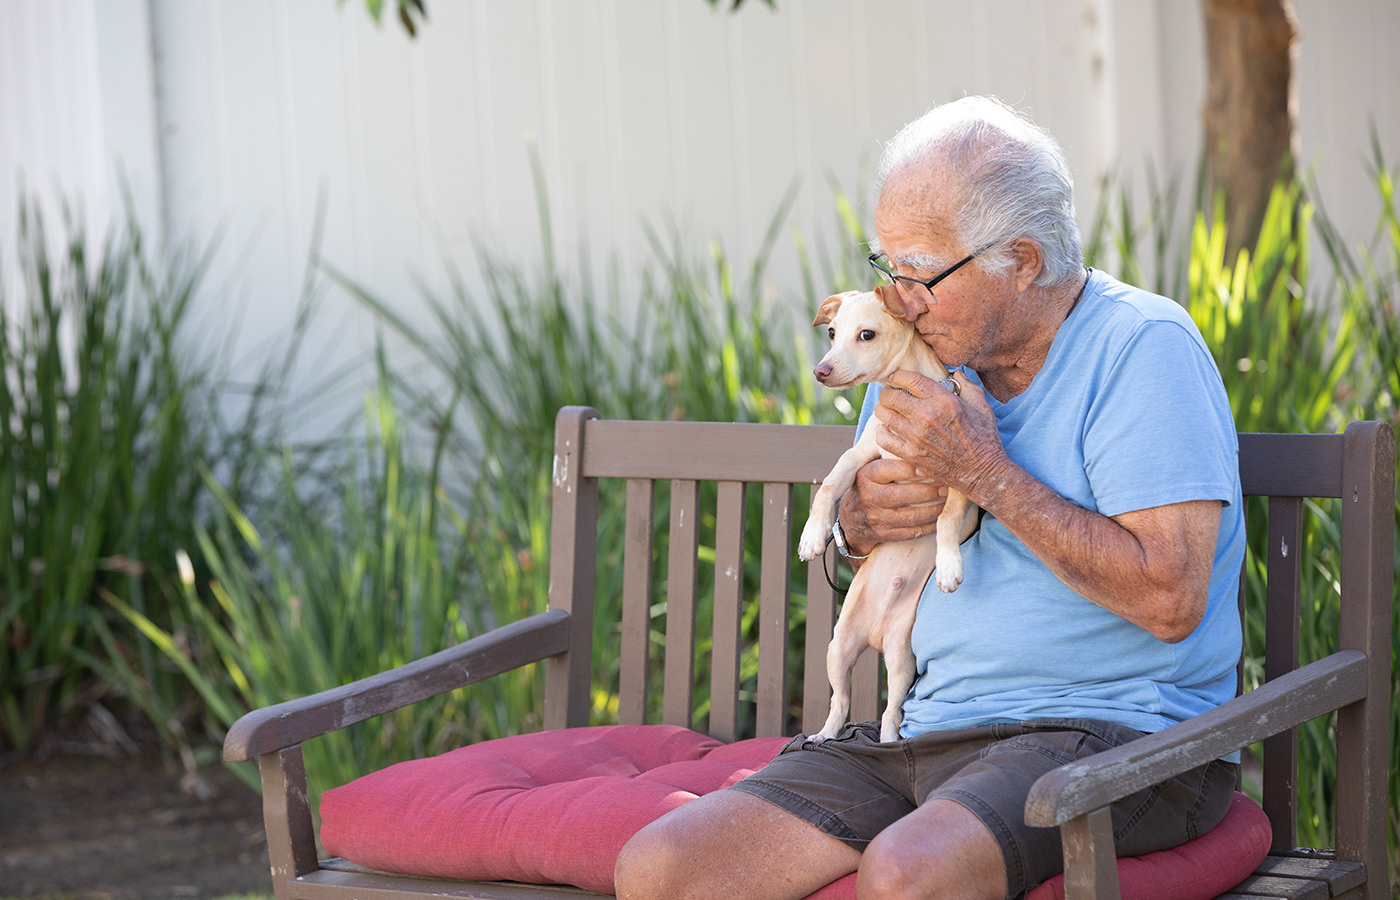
338 876
774 589
729 611
1291 465
1356 893
678 699
1283 604
713 451
1274 886
634 664
821 622
867 685
1340 874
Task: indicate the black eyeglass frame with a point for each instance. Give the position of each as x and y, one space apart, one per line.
895 278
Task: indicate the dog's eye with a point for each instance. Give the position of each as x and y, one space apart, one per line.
831 334
867 335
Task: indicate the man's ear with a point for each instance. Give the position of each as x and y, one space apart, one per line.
890 299
827 311
1029 261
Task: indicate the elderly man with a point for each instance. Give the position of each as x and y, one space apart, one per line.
1092 428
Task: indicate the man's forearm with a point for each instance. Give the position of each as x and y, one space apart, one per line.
1152 567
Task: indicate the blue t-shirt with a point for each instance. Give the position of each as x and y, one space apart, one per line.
1128 413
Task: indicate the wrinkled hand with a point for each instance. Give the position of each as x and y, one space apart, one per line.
941 438
889 502
947 438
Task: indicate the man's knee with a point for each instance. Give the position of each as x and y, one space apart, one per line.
640 871
948 854
886 874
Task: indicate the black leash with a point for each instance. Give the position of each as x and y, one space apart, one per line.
827 572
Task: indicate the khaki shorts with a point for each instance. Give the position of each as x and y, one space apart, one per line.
852 786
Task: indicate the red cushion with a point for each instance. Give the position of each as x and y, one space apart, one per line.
553 807
1206 867
556 807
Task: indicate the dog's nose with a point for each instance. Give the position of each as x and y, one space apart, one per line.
822 372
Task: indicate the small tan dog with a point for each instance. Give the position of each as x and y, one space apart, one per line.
870 341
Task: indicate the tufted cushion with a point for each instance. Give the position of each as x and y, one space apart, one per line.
1206 867
556 807
553 807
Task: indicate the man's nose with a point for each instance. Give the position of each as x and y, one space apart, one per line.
915 305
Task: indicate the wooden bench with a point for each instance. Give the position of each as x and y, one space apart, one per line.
1357 468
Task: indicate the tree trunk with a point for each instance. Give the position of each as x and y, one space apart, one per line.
1251 106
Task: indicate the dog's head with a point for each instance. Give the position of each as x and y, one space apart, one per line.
869 337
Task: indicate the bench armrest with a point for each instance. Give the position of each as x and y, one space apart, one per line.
1078 788
284 725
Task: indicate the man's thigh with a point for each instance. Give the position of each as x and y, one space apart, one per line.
730 844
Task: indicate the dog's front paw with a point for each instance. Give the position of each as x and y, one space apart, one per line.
813 541
949 575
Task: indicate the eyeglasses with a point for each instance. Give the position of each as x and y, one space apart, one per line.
908 283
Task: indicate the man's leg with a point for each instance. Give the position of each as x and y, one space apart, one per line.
730 844
941 850
969 838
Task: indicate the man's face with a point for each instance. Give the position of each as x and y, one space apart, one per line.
964 324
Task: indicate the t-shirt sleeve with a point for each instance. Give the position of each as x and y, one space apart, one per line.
1160 431
867 408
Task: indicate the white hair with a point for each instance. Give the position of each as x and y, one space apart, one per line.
1012 177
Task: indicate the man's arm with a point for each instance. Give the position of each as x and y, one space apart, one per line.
1151 566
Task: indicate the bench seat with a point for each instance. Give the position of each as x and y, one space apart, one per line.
1276 878
557 806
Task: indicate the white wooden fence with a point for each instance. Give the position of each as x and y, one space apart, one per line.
239 116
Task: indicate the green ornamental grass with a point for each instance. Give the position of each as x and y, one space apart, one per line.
100 420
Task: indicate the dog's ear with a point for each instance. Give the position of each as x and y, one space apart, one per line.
891 300
827 311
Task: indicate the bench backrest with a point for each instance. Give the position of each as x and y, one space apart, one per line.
775 465
746 463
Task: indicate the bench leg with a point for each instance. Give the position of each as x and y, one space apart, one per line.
291 841
1091 866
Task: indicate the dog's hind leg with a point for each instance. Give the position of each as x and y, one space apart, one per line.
848 641
900 666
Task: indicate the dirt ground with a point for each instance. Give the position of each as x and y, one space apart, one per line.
89 828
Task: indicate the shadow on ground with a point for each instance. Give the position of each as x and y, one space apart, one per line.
84 828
